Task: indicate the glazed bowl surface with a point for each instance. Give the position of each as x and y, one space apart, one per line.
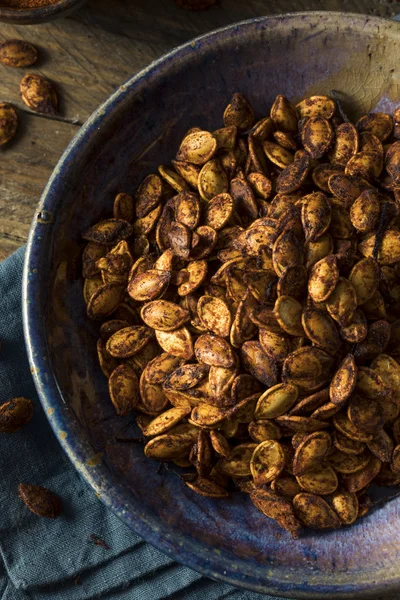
137 129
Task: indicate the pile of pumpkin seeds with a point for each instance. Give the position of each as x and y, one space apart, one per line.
250 299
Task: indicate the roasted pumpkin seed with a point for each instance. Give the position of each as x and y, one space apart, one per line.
254 289
267 462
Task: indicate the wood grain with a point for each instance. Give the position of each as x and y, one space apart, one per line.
87 56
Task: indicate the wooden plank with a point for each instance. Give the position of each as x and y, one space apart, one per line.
88 55
26 164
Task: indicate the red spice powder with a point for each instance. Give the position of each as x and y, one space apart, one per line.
26 3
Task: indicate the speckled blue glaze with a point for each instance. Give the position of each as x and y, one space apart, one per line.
126 138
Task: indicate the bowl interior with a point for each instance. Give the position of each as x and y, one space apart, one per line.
135 131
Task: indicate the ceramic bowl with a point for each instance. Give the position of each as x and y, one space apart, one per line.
42 14
137 129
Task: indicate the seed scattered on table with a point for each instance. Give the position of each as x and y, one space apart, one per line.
40 500
15 414
18 53
249 296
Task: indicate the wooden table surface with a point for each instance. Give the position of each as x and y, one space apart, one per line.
88 55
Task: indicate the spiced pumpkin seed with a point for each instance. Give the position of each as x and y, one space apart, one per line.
8 122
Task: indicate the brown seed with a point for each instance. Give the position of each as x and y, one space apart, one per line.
380 124
237 464
346 427
361 479
357 330
316 106
197 147
343 381
264 430
345 505
320 328
218 211
165 421
381 446
124 207
258 364
311 403
346 444
163 315
169 446
316 136
107 362
40 500
128 341
321 479
220 443
15 414
392 161
186 377
345 145
105 300
172 178
267 462
277 508
308 367
341 304
293 176
148 285
8 122
17 53
108 232
321 174
315 215
239 113
161 366
326 411
178 342
284 115
364 213
287 252
347 188
197 271
367 165
207 487
365 414
187 171
226 137
319 249
214 351
389 252
278 155
148 195
323 278
214 315
346 463
276 401
311 450
300 424
39 94
314 512
123 386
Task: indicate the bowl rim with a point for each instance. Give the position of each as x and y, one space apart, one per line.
62 419
26 16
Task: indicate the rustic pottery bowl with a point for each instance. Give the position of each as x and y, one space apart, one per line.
28 16
126 138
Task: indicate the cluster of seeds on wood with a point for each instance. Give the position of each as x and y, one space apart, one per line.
250 299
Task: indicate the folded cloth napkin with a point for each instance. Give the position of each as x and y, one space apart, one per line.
88 552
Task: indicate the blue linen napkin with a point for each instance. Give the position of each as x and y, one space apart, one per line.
43 559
